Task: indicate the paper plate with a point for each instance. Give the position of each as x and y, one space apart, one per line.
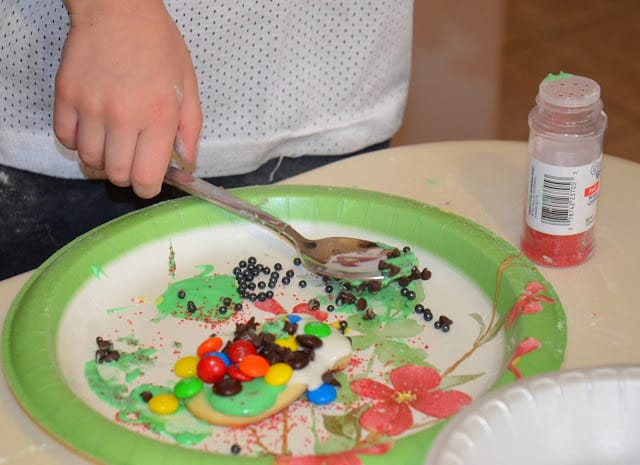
586 416
406 377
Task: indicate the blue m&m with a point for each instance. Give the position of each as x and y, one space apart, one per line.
325 394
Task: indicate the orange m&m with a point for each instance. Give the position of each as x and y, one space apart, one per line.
254 365
209 345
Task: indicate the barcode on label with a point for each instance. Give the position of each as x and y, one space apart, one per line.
558 198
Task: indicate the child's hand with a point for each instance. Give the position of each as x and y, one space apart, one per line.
126 91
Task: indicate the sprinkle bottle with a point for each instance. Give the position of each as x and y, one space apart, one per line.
566 130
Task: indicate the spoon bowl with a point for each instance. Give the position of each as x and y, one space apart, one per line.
345 258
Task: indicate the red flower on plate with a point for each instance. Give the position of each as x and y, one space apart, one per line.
413 387
343 458
526 346
529 302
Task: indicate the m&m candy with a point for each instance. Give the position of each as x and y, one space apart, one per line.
238 349
325 394
209 345
317 328
278 374
187 388
186 367
254 366
163 404
211 369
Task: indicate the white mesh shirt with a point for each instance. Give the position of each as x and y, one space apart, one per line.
276 78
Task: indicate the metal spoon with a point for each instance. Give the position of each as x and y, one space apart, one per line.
336 257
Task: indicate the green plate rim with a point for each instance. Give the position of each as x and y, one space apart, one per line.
29 342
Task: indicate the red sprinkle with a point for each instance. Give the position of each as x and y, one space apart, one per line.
557 251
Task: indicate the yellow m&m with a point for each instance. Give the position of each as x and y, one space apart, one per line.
278 374
287 342
163 404
186 367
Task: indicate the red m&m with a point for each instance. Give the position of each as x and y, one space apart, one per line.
239 349
211 369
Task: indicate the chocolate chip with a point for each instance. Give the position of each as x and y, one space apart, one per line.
374 286
242 328
309 341
298 359
361 304
191 306
415 273
369 314
103 344
328 378
270 355
346 297
425 274
393 270
227 387
105 352
394 253
113 356
146 396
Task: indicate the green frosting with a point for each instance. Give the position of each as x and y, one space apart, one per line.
256 397
388 303
206 293
109 382
275 327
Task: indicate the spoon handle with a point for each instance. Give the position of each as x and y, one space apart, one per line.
218 196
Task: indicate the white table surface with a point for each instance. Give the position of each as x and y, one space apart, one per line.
485 182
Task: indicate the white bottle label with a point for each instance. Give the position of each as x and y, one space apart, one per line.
562 200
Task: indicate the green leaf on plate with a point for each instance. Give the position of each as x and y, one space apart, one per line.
396 353
451 381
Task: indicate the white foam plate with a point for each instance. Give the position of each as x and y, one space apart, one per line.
589 416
